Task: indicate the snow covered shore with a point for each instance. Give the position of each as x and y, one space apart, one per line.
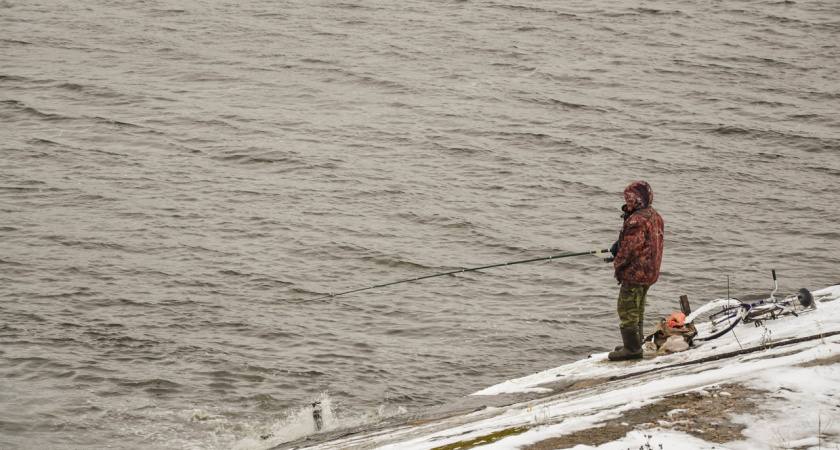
755 387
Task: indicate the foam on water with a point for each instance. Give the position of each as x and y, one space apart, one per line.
309 420
296 424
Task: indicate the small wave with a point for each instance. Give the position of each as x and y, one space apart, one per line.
70 86
261 401
15 41
12 78
275 336
167 12
115 122
22 108
86 245
532 9
47 142
806 143
273 15
285 162
154 383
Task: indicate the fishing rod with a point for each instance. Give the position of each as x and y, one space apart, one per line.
454 272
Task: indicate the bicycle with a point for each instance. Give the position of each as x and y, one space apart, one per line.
718 317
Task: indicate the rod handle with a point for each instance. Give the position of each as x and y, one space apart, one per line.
774 274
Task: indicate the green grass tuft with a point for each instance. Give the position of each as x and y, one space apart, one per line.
483 440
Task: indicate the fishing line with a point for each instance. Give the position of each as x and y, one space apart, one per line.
454 272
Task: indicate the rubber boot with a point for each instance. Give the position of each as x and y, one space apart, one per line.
641 337
632 348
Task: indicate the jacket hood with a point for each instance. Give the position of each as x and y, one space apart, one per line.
638 195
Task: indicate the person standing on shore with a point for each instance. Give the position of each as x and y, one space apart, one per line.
638 256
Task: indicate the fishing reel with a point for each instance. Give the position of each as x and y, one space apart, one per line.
613 251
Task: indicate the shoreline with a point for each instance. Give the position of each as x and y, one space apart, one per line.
743 390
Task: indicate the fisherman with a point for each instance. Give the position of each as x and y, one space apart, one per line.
638 255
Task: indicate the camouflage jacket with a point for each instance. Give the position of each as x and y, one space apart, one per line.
641 240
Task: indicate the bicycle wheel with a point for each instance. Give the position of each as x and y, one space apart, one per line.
716 318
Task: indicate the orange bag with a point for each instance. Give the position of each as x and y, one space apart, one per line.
676 320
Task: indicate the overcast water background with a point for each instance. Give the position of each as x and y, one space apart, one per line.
176 176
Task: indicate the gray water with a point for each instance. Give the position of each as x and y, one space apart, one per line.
177 176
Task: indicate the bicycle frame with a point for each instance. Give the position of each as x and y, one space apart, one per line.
772 308
720 316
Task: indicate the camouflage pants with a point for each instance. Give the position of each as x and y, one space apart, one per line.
631 306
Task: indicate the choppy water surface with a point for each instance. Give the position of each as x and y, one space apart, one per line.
177 175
